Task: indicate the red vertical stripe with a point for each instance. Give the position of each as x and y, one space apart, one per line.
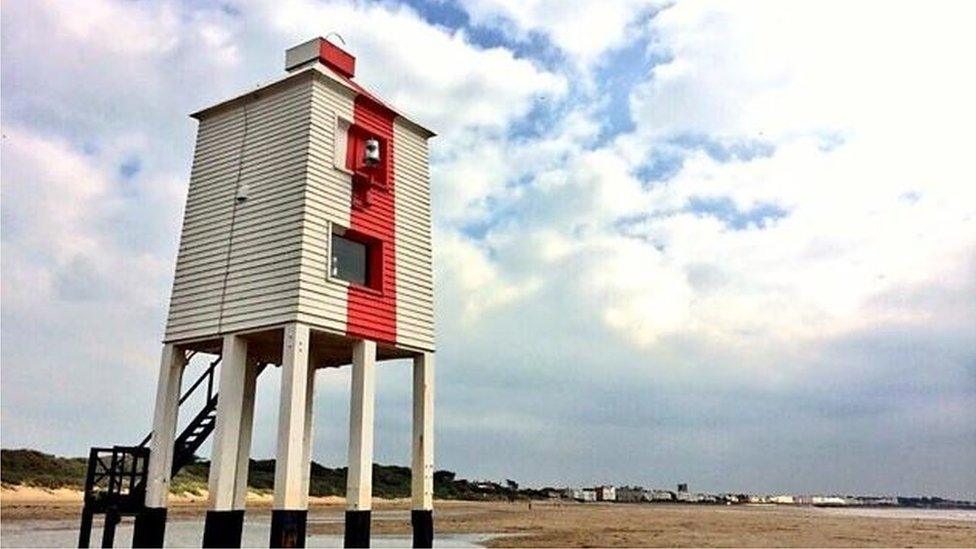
371 312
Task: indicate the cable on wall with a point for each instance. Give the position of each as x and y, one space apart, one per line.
240 196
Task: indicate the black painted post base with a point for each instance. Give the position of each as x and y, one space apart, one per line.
423 527
223 528
84 534
288 528
357 529
150 527
112 519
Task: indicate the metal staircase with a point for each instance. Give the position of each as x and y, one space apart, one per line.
116 481
200 427
195 434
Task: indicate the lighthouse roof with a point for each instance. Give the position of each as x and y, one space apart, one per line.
332 64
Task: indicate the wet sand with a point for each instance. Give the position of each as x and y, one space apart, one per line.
552 524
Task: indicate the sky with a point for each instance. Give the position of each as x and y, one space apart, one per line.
728 244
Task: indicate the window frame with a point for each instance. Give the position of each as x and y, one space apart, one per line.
345 151
341 143
374 259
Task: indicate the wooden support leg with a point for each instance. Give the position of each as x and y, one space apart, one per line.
422 465
225 521
150 526
290 512
246 429
359 484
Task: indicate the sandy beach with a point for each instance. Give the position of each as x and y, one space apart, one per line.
553 524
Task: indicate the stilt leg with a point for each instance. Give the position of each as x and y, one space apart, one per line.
246 428
84 533
225 521
108 533
289 515
422 466
359 484
150 526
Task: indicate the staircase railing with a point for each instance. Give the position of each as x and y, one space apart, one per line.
207 375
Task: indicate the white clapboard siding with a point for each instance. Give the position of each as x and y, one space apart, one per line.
414 274
263 261
328 192
255 280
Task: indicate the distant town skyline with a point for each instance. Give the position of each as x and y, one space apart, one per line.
726 244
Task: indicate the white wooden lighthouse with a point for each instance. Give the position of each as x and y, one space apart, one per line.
306 244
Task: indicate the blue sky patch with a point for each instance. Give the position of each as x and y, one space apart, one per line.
532 45
742 150
130 167
725 209
661 166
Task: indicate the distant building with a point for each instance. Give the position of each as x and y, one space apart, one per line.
828 501
581 494
782 500
605 493
876 501
660 495
683 487
631 494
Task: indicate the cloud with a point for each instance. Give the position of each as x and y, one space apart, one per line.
863 161
583 30
844 232
82 297
426 62
766 283
798 69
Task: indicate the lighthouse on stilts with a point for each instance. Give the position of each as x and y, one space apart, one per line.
306 245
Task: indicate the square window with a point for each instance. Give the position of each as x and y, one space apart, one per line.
350 260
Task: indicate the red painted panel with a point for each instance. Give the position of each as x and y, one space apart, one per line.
372 311
339 59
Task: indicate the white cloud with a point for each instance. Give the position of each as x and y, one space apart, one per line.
584 30
774 69
59 210
473 87
887 207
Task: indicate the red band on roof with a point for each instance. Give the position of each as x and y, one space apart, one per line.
337 58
